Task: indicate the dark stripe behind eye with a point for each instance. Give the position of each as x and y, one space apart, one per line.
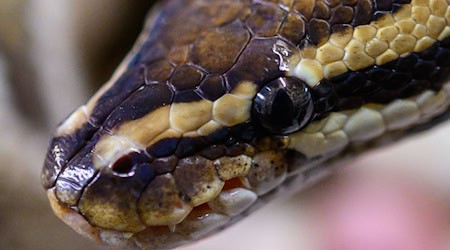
401 78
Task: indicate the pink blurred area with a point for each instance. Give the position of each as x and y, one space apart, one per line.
394 198
368 213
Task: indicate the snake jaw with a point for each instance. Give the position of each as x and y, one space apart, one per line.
213 192
79 224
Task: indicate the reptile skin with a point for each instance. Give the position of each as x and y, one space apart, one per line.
223 103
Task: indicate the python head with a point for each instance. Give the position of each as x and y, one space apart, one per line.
221 104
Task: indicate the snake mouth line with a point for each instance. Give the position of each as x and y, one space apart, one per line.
186 211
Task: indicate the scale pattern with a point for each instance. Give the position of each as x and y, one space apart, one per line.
168 151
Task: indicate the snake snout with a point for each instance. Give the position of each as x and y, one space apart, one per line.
70 138
165 201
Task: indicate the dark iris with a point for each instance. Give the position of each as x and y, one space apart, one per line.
284 105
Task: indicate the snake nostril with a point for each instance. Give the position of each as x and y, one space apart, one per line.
123 166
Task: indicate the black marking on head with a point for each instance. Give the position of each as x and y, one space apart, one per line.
142 102
61 150
328 17
217 137
128 83
163 148
164 165
212 87
186 77
78 172
245 132
213 152
401 78
325 98
236 149
189 146
187 96
258 63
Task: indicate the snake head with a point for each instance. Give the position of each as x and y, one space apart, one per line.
222 104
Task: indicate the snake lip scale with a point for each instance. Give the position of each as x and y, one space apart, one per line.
221 105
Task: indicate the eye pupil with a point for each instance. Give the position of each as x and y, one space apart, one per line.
284 105
282 109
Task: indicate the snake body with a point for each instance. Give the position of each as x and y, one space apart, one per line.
222 103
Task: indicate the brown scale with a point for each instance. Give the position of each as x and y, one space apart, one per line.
265 20
158 72
293 28
186 77
193 176
120 194
164 165
217 50
256 63
179 55
212 87
159 198
213 152
268 168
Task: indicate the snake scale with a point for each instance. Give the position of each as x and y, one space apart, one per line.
223 103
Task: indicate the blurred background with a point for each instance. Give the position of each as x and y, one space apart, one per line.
54 54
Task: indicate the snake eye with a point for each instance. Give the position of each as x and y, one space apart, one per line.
284 105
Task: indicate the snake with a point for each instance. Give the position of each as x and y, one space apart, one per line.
223 105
